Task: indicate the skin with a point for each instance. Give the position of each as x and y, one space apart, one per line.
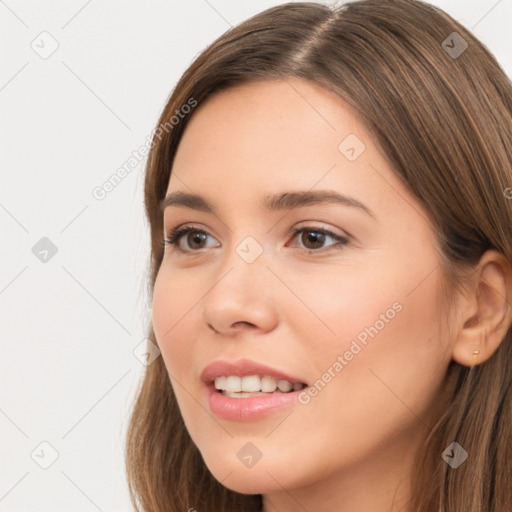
298 312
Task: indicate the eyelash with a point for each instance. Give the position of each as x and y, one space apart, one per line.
176 234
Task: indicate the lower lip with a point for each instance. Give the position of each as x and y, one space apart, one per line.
250 408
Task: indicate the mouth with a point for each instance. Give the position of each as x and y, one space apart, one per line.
246 376
245 390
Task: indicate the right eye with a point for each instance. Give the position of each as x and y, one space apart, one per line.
175 235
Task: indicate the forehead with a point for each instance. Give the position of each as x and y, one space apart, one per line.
267 130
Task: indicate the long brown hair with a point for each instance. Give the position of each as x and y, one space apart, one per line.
440 108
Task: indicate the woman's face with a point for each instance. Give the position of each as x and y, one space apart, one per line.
356 318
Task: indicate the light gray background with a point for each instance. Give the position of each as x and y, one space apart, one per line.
70 325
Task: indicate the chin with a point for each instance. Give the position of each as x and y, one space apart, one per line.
244 485
236 477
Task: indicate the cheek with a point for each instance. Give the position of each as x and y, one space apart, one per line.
389 303
173 324
340 307
378 350
171 312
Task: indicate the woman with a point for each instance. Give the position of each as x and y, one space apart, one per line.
328 192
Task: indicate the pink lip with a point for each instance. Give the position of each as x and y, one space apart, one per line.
250 408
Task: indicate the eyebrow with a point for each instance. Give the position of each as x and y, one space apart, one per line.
276 202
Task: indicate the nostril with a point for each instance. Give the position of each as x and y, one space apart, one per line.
243 323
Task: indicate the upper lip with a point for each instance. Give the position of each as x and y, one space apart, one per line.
242 368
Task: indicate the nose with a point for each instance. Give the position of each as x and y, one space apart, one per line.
242 298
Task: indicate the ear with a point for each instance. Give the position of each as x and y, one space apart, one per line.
485 313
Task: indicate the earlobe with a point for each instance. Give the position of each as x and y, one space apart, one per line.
486 313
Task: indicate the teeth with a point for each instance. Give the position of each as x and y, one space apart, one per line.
268 384
220 382
254 384
250 383
284 385
233 384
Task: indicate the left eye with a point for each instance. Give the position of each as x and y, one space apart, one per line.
314 236
317 236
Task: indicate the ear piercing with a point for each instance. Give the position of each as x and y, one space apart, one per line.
475 353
